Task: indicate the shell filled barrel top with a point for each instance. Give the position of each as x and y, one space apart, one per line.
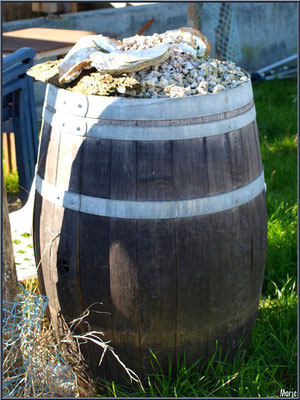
172 64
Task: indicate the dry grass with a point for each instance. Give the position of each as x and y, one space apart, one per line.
40 361
32 363
95 337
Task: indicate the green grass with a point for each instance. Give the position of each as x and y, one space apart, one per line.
270 363
11 180
277 124
268 366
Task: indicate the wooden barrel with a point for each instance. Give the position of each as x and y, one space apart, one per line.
154 208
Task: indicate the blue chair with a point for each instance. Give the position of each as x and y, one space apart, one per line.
19 114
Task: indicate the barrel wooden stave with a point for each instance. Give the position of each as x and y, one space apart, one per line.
140 269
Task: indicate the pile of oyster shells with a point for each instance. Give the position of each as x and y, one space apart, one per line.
185 75
171 64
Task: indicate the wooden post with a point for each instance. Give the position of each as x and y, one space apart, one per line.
48 8
10 280
9 152
74 7
192 15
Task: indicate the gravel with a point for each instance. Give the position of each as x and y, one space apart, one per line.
184 74
188 71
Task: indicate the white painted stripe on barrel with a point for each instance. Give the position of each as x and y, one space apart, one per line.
88 127
119 108
150 209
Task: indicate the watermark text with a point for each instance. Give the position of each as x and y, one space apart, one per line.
288 393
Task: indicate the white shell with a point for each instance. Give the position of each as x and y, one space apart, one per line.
73 64
129 61
107 43
78 58
186 48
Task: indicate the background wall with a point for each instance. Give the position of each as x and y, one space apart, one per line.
268 32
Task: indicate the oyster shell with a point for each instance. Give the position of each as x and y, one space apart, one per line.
129 61
78 58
